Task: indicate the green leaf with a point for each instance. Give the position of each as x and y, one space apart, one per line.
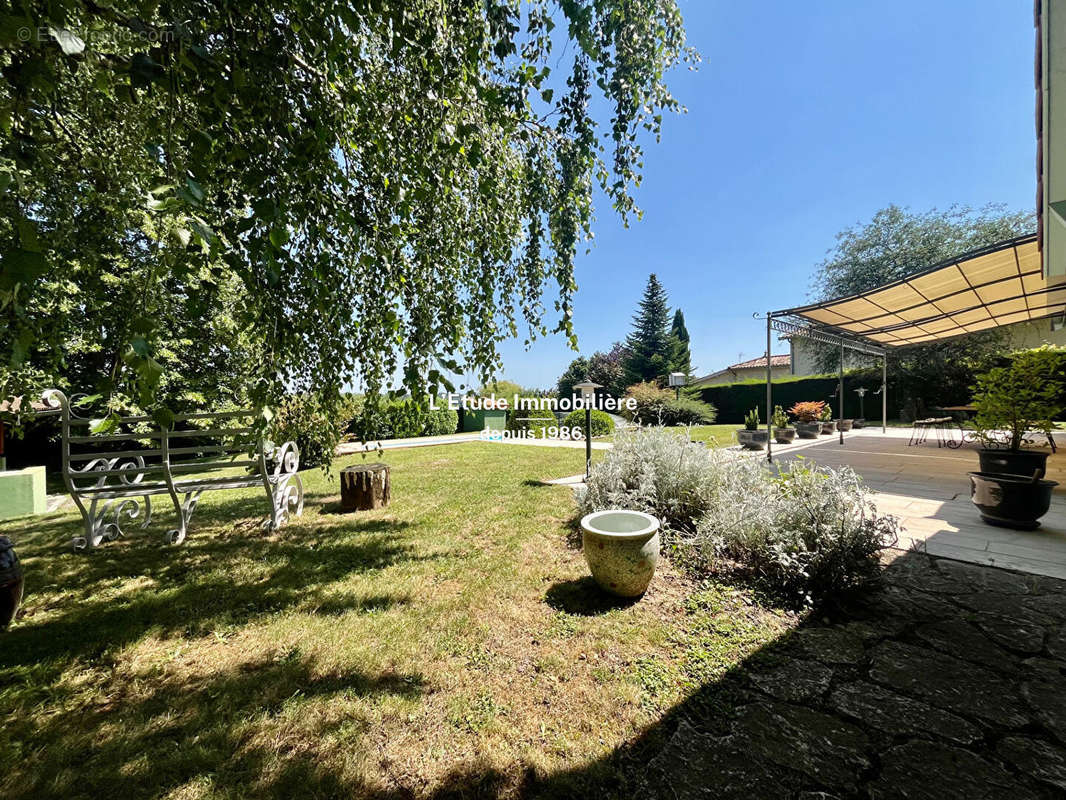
279 237
22 267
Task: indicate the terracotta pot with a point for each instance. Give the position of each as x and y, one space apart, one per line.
1010 501
753 440
808 430
784 435
622 549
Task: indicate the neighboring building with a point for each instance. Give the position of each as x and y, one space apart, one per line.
804 357
1021 336
746 370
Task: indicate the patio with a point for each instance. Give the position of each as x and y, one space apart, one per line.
928 489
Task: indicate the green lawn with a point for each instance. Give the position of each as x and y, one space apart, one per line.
450 642
717 435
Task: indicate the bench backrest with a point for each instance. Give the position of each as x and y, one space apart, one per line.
137 454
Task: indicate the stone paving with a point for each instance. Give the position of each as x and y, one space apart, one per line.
946 681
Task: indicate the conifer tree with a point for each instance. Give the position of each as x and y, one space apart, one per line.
648 345
680 354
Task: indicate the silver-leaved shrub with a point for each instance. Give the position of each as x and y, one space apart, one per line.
803 532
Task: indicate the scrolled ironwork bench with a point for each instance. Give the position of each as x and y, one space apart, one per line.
108 486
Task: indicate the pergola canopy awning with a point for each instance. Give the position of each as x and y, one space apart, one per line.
988 288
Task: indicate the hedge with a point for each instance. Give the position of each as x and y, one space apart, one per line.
734 400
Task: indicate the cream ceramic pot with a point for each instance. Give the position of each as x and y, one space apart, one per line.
622 549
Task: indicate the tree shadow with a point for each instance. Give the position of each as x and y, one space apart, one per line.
113 595
185 724
916 681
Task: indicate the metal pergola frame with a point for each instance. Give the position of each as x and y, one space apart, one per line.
785 322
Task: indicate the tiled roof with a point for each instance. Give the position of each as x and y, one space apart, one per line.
775 361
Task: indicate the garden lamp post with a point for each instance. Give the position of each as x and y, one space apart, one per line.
588 395
677 380
861 392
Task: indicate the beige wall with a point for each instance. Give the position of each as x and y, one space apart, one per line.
732 376
1021 336
804 361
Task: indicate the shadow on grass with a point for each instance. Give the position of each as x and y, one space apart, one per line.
117 593
744 731
585 598
194 729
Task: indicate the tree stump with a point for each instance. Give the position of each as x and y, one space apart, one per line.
364 487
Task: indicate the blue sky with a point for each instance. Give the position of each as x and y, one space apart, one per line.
803 119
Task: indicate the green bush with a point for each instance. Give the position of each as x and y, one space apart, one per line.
316 430
441 422
602 424
536 421
687 411
1026 395
656 406
401 418
650 403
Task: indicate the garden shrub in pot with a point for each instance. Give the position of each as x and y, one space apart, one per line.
783 432
750 437
808 415
1014 402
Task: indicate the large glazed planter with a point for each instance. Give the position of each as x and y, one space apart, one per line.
859 422
11 583
845 424
784 435
829 427
752 440
1013 462
622 549
1010 501
808 430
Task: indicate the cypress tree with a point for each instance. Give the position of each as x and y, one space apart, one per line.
680 354
648 345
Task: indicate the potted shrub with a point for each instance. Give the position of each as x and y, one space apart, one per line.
828 426
783 433
750 437
808 415
1014 402
1011 501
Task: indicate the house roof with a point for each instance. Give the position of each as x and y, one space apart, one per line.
753 363
775 361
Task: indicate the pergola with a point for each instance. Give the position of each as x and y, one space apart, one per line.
988 288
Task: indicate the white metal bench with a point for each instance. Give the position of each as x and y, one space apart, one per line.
109 484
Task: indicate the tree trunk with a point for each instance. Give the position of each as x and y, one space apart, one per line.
365 487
